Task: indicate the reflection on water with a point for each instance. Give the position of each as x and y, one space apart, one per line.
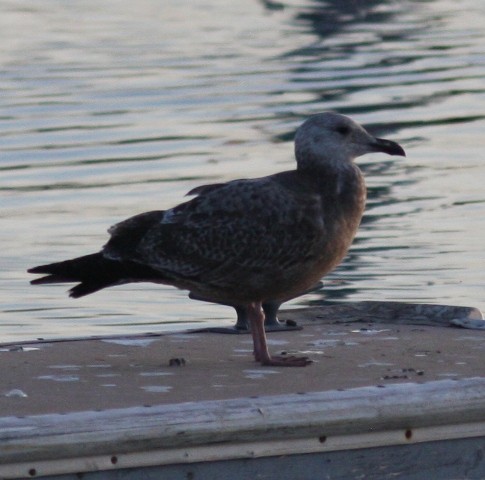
111 108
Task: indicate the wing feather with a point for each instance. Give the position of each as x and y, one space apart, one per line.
243 226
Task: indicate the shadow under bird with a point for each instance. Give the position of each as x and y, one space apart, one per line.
246 242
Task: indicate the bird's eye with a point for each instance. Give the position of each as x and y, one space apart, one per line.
343 130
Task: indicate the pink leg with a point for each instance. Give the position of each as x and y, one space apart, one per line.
261 353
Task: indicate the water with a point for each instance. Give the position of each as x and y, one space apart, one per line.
112 108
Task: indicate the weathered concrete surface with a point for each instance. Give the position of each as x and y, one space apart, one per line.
380 349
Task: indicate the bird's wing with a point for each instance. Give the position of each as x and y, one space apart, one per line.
126 235
201 189
244 225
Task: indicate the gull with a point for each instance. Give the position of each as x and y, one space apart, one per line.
246 242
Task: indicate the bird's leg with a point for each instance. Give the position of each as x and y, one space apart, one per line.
242 324
270 310
261 353
256 321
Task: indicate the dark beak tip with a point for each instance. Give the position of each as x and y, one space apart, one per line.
389 147
400 151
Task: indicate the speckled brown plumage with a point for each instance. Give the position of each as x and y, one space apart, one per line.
246 241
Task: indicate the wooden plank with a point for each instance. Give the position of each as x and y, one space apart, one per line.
243 428
446 459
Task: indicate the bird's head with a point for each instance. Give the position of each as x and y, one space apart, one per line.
332 139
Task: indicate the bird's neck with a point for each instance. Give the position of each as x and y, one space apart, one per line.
308 158
317 166
342 185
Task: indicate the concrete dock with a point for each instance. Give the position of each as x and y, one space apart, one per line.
383 349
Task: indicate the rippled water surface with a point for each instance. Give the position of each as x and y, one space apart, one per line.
112 108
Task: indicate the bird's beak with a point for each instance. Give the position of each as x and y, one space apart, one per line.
387 146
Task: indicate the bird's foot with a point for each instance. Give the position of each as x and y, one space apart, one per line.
286 361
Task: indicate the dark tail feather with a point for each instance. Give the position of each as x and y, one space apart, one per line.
94 272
